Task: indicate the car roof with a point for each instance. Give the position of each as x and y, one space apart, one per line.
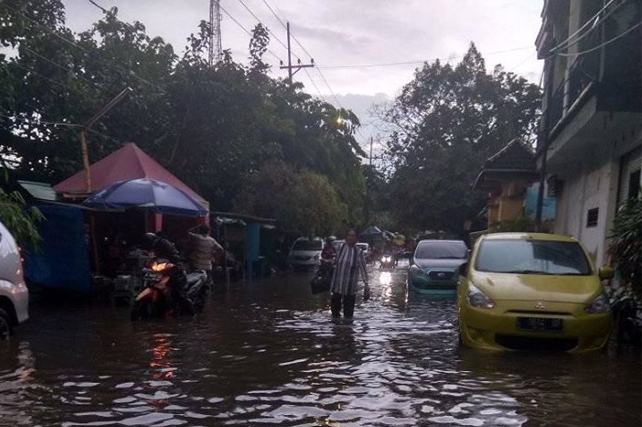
529 236
440 240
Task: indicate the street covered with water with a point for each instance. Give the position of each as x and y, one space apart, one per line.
267 353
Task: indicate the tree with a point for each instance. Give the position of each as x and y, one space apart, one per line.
443 126
212 126
21 220
302 201
625 247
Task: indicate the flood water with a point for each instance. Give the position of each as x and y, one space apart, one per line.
267 354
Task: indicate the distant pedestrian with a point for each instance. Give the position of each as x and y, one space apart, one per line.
349 265
202 249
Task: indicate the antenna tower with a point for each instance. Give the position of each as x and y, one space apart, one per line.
215 47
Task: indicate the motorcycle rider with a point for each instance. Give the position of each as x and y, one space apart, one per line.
162 247
328 254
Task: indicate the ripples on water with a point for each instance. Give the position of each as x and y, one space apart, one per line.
270 355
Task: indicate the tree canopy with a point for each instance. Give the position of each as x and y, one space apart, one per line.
444 124
215 127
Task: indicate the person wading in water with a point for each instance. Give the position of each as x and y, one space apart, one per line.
349 265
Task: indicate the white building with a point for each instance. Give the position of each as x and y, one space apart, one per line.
592 112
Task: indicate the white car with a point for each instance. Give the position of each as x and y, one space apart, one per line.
305 253
14 296
365 248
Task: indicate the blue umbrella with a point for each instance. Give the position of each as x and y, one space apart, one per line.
146 193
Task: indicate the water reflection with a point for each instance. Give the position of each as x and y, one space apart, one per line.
268 354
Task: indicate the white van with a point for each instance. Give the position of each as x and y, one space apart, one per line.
305 253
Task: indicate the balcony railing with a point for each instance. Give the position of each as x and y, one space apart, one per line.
570 93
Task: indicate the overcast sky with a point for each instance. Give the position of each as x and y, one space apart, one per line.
350 39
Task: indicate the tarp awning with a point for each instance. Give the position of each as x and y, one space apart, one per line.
127 163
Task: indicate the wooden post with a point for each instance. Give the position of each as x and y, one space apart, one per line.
85 159
94 243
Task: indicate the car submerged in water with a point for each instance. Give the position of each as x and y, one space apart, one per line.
532 291
434 266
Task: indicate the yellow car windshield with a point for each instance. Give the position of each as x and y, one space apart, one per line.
532 257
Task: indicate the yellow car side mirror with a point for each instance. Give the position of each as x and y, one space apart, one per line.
606 272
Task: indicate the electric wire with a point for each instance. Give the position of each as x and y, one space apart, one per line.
247 31
416 62
268 29
601 45
73 43
561 44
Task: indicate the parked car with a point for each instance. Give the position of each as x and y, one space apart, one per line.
434 266
337 244
365 247
524 291
14 296
305 253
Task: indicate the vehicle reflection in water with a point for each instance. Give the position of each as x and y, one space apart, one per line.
269 354
385 280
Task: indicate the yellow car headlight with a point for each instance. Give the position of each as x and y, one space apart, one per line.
477 299
599 305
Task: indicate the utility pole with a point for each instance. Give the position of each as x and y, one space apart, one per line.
83 133
293 69
85 160
544 152
215 50
368 182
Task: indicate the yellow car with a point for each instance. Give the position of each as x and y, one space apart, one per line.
528 291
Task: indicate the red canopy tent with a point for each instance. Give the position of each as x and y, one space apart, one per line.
129 162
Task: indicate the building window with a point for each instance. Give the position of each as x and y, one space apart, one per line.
634 185
591 218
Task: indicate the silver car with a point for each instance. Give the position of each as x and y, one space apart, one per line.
305 253
14 296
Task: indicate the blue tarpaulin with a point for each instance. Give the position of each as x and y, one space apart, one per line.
63 261
548 205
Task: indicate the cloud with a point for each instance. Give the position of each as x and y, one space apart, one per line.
351 32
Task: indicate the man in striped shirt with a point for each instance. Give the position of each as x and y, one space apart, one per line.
350 263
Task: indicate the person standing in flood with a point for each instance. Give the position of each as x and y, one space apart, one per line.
350 263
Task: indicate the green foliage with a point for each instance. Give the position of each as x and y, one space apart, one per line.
444 125
302 201
625 248
20 220
214 127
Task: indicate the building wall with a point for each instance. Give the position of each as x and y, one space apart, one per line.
587 190
595 183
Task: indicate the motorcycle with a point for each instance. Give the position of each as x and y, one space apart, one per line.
627 317
168 290
387 262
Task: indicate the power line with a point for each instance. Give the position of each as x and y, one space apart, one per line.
415 62
249 33
42 122
32 71
62 67
73 43
325 81
49 30
567 42
314 84
600 46
261 22
274 13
